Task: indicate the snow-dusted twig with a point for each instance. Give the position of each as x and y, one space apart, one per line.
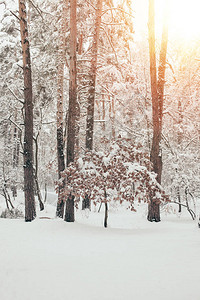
21 101
192 213
15 15
116 8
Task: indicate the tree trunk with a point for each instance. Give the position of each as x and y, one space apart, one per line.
7 198
15 158
72 86
69 212
92 79
86 203
60 139
39 194
112 116
162 65
153 209
179 199
73 107
106 215
157 94
30 212
37 187
61 167
153 212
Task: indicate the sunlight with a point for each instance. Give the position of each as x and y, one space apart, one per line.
184 21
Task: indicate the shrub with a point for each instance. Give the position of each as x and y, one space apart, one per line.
122 173
12 214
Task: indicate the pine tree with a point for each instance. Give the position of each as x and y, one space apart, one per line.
28 117
60 138
157 94
92 78
72 112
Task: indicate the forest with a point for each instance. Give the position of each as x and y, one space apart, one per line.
99 127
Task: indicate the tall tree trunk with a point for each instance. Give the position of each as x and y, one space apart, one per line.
73 108
60 139
179 141
154 211
162 65
112 116
72 85
157 94
15 158
92 78
30 212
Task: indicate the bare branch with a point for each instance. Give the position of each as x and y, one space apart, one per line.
122 23
88 2
21 101
3 2
116 8
14 123
37 8
192 213
20 67
111 44
15 15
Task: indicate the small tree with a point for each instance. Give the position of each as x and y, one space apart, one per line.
121 174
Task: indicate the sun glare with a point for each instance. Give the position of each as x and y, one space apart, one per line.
184 17
184 20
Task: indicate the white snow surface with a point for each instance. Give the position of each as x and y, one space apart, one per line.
50 259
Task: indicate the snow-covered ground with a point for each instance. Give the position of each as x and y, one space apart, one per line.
132 259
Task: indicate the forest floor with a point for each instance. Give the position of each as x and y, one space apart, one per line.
49 259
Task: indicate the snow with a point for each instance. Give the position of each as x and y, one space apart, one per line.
131 259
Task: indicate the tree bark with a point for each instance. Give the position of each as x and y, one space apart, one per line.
92 79
162 65
86 203
153 209
15 158
157 94
106 215
60 76
37 187
30 212
71 138
60 138
69 212
73 107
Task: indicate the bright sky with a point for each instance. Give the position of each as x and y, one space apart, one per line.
184 17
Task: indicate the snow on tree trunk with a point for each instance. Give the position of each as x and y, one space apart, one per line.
30 212
71 138
37 187
157 94
72 113
69 212
60 139
92 79
86 203
106 215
